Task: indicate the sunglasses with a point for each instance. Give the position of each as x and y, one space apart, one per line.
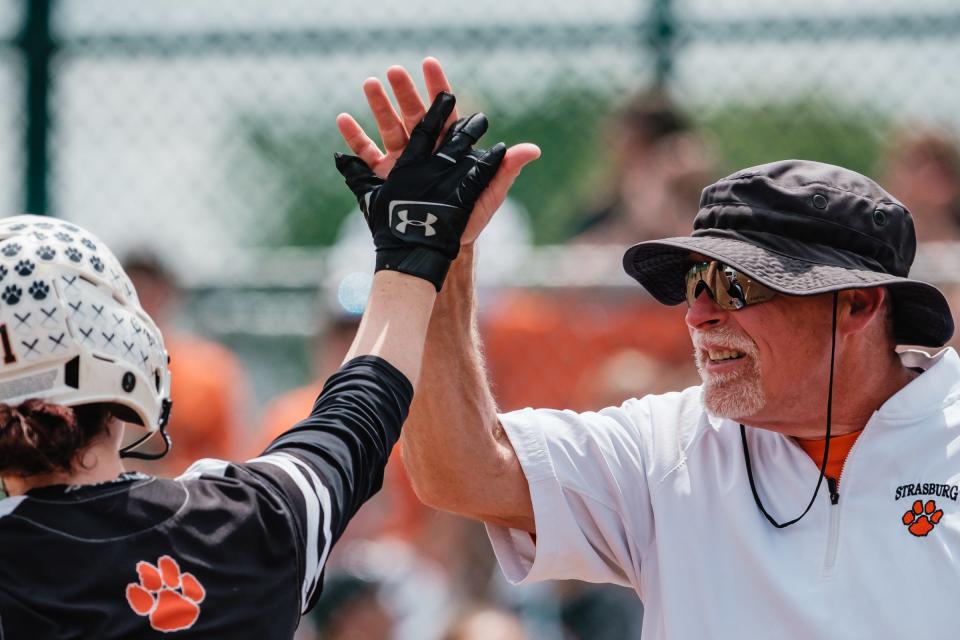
729 288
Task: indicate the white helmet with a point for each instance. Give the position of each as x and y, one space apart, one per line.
72 330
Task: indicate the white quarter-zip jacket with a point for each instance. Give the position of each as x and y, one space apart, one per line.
654 495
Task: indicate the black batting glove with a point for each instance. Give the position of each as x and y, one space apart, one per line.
419 212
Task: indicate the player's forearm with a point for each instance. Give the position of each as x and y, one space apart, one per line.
394 325
346 440
453 446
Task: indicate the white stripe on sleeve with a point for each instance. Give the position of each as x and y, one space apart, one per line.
317 501
205 466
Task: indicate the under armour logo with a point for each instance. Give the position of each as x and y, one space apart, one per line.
427 224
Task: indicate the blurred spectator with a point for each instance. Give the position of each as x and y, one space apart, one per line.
394 512
661 163
922 169
209 385
485 623
328 350
527 336
630 373
351 609
599 611
399 595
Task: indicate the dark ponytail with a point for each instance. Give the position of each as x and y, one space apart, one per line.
37 437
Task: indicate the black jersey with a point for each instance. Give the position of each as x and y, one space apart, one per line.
226 550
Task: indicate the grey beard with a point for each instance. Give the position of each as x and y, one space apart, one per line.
736 397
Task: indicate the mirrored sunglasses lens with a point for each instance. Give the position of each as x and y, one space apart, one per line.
720 282
695 282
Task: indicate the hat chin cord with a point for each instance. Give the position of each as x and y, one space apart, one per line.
826 448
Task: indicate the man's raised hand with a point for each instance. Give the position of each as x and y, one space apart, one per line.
419 212
395 128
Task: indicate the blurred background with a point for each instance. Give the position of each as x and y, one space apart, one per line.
196 139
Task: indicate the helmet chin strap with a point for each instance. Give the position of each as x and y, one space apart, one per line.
826 448
128 451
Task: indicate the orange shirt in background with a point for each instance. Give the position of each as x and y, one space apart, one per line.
283 412
542 347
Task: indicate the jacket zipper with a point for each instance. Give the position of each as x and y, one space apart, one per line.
833 540
834 526
832 485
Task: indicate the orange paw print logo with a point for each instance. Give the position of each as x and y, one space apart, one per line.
168 597
921 519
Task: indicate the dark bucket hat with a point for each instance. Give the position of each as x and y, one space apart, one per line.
803 228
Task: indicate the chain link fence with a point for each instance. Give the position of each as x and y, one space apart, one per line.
205 132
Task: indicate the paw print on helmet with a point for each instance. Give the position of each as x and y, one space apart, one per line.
3 272
12 294
44 225
11 249
63 237
24 268
88 244
46 252
73 254
96 263
17 227
39 290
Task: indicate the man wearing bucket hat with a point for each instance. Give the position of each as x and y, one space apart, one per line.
711 502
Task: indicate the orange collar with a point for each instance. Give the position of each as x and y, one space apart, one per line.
839 448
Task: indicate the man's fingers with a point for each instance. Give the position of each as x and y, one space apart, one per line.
515 158
436 81
461 136
358 141
424 136
408 98
434 77
392 131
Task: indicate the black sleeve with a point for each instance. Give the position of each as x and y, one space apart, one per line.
330 463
